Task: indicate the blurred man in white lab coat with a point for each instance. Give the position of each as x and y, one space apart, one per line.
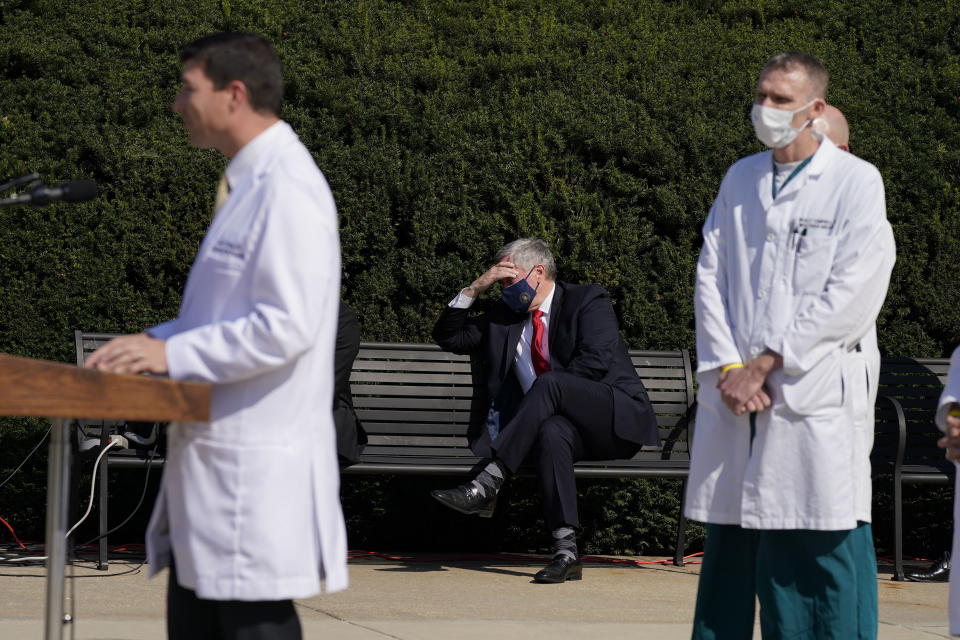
795 264
248 516
948 419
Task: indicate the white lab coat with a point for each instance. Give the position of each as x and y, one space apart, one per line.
249 503
951 394
811 296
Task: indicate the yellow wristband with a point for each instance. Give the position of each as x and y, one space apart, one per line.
954 413
735 365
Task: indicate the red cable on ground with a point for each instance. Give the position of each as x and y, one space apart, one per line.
14 534
891 559
360 555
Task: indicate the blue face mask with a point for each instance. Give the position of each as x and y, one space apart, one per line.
519 295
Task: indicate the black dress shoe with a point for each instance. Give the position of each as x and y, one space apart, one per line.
939 571
467 499
560 569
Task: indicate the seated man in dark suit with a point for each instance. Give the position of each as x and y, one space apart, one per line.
351 438
559 384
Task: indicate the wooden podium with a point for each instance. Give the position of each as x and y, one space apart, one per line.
62 392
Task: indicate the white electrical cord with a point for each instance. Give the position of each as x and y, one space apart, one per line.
93 485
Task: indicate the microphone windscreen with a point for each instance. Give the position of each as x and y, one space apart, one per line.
79 190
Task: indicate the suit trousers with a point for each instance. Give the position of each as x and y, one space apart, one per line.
193 618
562 419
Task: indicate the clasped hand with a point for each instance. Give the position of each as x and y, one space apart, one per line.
742 390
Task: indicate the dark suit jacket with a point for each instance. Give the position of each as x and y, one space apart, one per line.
583 340
351 437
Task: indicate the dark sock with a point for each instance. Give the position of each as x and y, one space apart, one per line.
565 542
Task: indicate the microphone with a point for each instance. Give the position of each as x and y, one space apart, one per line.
73 191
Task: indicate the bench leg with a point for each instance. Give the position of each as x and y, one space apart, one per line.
681 528
898 527
104 499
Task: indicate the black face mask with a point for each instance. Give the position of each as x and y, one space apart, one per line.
519 295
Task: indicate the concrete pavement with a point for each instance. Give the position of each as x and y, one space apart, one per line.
466 597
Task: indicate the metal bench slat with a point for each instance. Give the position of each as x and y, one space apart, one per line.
359 390
414 451
673 362
645 373
417 441
413 416
409 378
407 365
423 355
368 402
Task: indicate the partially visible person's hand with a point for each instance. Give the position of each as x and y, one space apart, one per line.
130 354
758 402
742 391
742 388
951 441
504 270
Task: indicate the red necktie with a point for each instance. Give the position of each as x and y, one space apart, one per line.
540 363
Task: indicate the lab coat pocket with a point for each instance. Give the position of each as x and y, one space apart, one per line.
856 383
814 257
818 391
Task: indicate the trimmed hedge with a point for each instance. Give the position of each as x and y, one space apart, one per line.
445 129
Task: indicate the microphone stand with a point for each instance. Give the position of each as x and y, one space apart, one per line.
16 182
32 178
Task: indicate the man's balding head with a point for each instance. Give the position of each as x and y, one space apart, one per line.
834 125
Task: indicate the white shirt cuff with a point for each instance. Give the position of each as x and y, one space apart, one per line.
461 301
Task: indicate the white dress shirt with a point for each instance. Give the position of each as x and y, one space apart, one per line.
523 359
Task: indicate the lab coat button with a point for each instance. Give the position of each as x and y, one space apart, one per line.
769 237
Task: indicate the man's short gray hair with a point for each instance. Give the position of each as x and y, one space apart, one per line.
526 253
790 60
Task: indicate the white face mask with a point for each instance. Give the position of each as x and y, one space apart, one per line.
773 126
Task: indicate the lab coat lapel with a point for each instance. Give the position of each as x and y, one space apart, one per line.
764 181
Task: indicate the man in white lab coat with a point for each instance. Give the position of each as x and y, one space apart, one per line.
248 516
948 419
796 259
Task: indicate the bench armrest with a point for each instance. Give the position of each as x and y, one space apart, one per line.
690 419
902 433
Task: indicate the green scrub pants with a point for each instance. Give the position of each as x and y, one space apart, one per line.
811 584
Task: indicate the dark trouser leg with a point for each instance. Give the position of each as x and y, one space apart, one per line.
817 584
189 617
193 618
559 446
264 620
564 418
727 588
865 561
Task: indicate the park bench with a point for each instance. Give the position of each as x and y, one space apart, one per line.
905 444
414 402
